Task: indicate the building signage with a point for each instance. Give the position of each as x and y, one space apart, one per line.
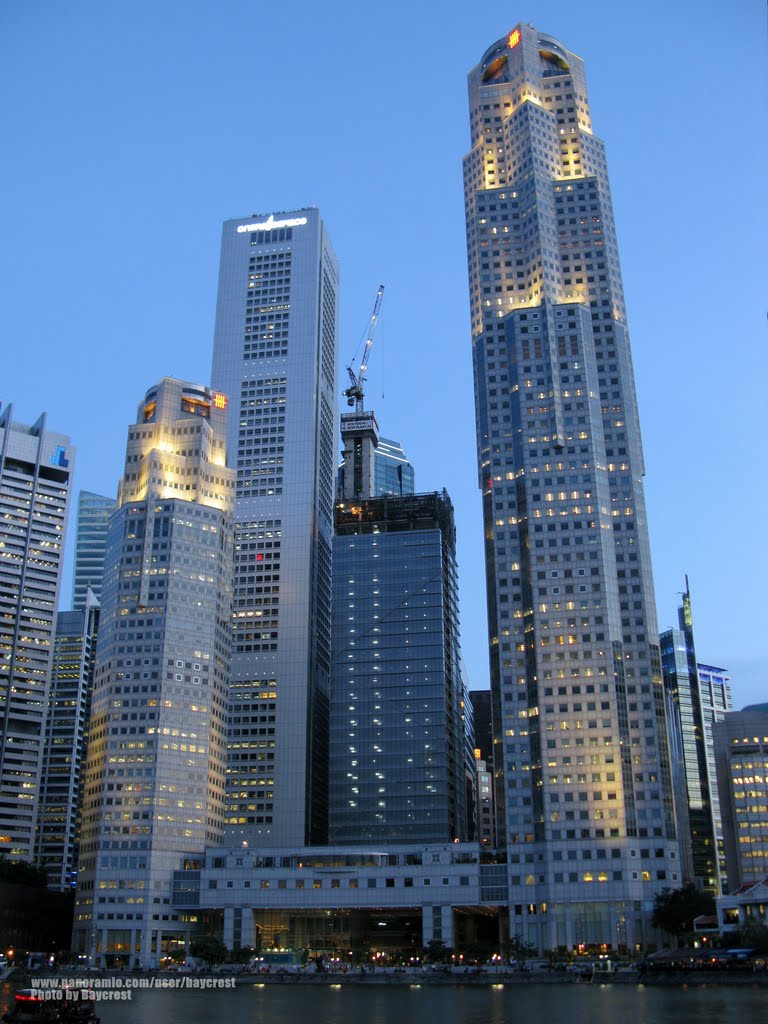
270 223
514 39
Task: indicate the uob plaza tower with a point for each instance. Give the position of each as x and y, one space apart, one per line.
581 752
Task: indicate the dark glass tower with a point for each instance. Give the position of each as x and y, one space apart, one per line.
698 841
398 748
585 801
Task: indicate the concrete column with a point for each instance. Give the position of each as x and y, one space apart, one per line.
427 933
568 928
229 927
446 916
247 930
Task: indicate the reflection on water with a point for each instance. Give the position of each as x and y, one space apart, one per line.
543 1004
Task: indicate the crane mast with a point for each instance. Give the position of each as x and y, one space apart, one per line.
354 394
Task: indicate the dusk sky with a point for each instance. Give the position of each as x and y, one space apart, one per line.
132 131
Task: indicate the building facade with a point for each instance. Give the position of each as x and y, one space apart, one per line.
398 735
698 842
66 737
585 801
741 758
349 897
716 702
36 468
93 512
275 355
155 767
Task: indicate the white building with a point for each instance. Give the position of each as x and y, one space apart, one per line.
36 468
155 769
275 354
345 896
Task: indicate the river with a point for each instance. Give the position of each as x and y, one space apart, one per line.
388 1004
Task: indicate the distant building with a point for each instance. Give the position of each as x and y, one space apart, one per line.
398 741
93 512
690 764
716 702
275 355
741 756
66 736
481 703
36 468
394 473
486 812
155 769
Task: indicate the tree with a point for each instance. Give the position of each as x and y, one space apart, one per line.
21 872
674 910
209 948
753 934
518 949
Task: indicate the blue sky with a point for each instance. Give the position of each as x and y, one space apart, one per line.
133 130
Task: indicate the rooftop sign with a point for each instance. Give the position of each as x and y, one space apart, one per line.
270 223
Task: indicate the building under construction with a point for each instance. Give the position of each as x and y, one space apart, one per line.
400 736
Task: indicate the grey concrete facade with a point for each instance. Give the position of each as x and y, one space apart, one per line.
275 355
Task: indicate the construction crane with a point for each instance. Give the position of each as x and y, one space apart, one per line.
354 393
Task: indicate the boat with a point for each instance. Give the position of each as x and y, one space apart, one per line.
34 1005
53 1006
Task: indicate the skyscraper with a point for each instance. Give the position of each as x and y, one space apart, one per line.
36 468
66 733
698 844
398 737
93 512
275 354
155 769
585 800
716 702
741 757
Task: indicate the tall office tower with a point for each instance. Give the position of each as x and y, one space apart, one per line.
741 758
275 354
93 512
585 799
36 468
66 735
398 746
716 702
156 762
698 843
